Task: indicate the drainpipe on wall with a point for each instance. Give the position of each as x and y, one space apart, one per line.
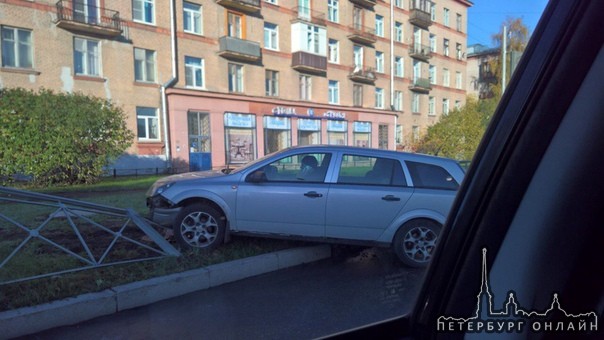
169 83
392 68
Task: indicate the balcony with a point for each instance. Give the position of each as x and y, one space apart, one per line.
419 14
239 49
81 17
419 51
364 3
248 6
306 14
308 62
362 35
363 75
421 85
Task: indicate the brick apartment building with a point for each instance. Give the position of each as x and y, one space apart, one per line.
210 83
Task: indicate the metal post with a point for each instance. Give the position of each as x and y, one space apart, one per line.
503 48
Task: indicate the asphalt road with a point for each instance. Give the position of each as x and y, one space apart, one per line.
347 291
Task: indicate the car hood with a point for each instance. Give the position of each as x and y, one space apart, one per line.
184 177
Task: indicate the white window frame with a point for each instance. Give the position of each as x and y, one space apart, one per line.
379 25
271 83
274 2
357 95
431 106
333 92
433 43
432 74
313 37
357 55
446 44
236 81
458 104
398 100
399 66
446 77
415 132
235 29
433 13
458 80
446 20
379 61
16 44
415 104
333 51
150 122
271 36
398 3
458 22
333 12
445 106
379 98
398 31
305 84
194 13
87 57
146 65
138 7
194 65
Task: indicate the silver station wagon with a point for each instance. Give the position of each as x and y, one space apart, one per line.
333 194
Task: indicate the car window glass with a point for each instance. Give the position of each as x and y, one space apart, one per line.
431 176
371 171
307 167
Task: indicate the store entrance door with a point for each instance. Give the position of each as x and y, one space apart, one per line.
200 155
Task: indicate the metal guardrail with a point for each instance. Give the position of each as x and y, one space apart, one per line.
73 217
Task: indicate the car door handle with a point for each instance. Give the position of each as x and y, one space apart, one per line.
391 198
313 194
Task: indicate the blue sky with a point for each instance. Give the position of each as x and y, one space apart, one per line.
486 16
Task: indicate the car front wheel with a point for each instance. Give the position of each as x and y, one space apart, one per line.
199 226
415 241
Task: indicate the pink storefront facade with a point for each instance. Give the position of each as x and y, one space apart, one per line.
214 130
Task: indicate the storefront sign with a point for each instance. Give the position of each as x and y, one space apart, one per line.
277 123
310 112
283 111
337 126
309 124
239 120
362 127
334 114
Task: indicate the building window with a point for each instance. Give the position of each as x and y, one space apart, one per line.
272 83
271 36
446 77
398 31
337 132
277 133
194 72
361 134
379 25
144 11
398 3
458 22
192 18
433 13
240 137
399 67
446 17
458 51
432 74
274 2
332 10
379 98
17 48
415 103
304 9
235 78
417 70
305 87
458 80
357 18
357 95
235 25
400 138
415 131
398 100
383 137
446 47
379 61
313 39
433 43
357 56
334 92
309 131
144 65
333 53
431 106
457 104
445 106
147 123
87 57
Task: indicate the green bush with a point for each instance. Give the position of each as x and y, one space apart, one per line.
58 137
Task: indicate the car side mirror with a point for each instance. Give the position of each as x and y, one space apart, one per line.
257 176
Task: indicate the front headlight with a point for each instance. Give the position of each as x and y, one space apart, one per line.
163 188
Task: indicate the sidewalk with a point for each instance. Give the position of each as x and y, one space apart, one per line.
28 320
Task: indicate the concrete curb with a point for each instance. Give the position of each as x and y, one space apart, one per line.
29 320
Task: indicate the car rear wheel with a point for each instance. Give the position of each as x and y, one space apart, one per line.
199 226
415 241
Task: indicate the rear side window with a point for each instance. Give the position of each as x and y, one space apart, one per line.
371 171
431 176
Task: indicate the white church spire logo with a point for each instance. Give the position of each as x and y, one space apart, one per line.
513 318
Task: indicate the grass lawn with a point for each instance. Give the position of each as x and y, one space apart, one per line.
38 257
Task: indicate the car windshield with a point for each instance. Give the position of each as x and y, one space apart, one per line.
317 242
